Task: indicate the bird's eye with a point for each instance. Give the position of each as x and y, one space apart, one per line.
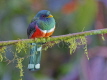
43 15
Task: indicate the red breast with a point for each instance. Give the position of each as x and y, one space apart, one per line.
39 33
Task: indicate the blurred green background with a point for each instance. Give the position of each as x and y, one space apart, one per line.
57 64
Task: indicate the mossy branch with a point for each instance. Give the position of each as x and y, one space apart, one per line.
55 38
70 39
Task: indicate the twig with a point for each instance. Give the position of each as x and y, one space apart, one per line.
55 38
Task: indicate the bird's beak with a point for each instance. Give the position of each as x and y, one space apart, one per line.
49 16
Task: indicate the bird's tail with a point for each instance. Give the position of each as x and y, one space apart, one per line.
35 56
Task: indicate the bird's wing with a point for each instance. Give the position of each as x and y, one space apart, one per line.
31 29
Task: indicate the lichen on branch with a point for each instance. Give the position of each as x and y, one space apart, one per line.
2 50
55 38
74 40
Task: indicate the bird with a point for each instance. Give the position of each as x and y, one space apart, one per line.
42 25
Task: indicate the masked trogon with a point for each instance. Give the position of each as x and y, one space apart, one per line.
42 25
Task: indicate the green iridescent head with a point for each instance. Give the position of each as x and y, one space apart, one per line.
44 19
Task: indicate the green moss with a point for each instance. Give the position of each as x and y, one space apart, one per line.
84 42
2 50
102 36
73 44
21 46
97 32
20 66
50 44
86 51
40 40
104 31
76 41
